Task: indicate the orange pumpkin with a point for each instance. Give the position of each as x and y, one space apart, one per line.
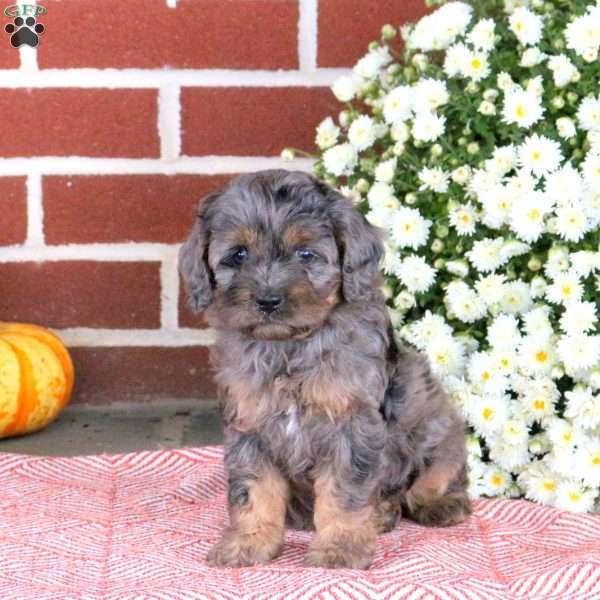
36 378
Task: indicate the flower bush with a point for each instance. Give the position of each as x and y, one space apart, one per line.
478 149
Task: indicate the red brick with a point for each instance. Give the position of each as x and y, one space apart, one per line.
82 294
347 26
13 211
122 208
80 122
252 121
233 34
187 318
136 374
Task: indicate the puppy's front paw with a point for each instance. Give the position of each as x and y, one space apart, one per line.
237 549
340 556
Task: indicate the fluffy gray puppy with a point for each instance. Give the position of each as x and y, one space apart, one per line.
329 423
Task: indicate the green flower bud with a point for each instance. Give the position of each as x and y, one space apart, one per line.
373 45
367 164
362 185
436 150
572 97
462 141
437 246
394 69
558 43
439 263
558 102
410 198
534 264
399 148
388 32
386 290
473 148
442 231
344 118
404 301
288 154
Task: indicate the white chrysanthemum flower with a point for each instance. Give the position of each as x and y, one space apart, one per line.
571 222
531 57
351 193
362 132
504 332
505 82
591 171
539 155
564 185
446 356
345 87
385 171
588 113
522 108
588 461
540 483
429 328
400 132
391 262
340 159
538 286
561 434
538 399
456 59
368 66
398 105
583 33
427 127
379 193
526 25
416 274
439 29
497 205
579 351
527 216
563 70
462 174
495 480
584 262
430 94
537 355
536 322
503 160
463 302
485 255
482 36
512 248
327 133
517 297
484 374
583 407
476 66
504 360
434 179
572 496
488 413
565 127
464 219
558 261
409 229
565 288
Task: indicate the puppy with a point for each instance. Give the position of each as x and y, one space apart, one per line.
329 424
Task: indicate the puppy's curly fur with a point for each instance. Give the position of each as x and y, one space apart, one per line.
328 422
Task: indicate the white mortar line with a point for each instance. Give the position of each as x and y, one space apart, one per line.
82 336
131 252
35 211
27 54
155 78
307 36
172 3
169 121
169 290
205 165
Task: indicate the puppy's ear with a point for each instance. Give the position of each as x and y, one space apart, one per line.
193 259
360 245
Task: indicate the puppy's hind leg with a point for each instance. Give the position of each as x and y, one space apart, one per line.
438 497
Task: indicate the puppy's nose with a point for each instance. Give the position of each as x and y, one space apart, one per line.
269 302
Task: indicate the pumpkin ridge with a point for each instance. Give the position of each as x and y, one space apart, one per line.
27 392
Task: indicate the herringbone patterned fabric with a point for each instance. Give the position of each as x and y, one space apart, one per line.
137 526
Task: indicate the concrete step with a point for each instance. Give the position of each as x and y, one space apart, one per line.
115 428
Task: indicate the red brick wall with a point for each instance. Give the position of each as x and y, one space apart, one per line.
113 129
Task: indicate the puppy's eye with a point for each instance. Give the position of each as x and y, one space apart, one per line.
305 255
236 257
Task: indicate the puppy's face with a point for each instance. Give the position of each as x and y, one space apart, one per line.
269 249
